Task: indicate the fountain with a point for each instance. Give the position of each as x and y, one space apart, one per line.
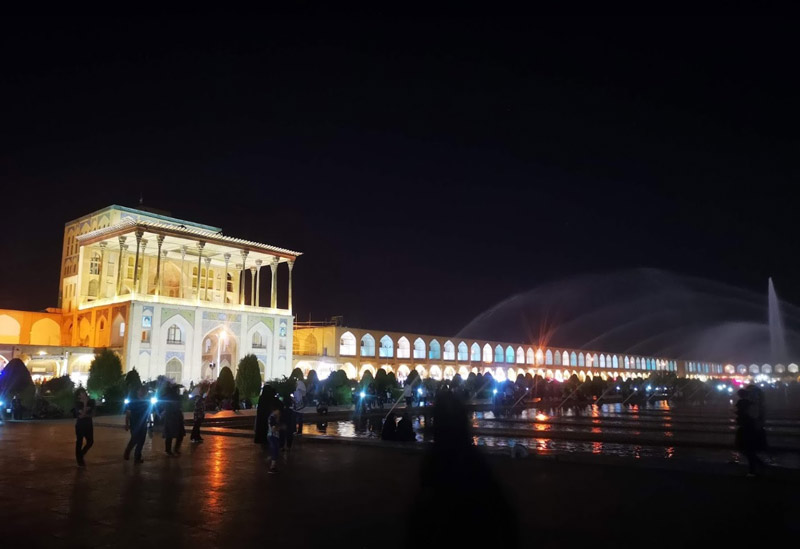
777 333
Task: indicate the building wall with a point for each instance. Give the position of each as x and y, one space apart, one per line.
149 349
30 328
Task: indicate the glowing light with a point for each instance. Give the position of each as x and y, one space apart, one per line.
362 394
494 391
541 417
42 353
419 391
730 389
649 388
2 403
127 401
153 400
617 387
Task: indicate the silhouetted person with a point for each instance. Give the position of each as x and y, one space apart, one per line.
457 487
199 416
16 408
173 423
405 431
389 431
408 394
266 403
84 428
236 401
288 425
274 437
136 413
747 434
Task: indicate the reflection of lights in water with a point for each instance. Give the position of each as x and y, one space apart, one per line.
540 427
596 430
215 477
669 452
597 447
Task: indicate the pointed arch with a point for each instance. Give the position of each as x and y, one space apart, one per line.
174 370
449 372
548 357
403 348
565 358
529 356
573 359
475 354
510 355
615 361
347 344
463 354
419 348
581 360
487 354
402 373
365 368
434 350
367 345
498 353
387 347
45 331
449 351
557 358
435 373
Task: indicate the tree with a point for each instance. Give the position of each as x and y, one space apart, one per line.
15 380
225 383
104 372
60 391
248 377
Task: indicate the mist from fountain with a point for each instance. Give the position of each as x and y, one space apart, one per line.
644 311
777 332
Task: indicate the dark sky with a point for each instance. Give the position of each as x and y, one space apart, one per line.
428 169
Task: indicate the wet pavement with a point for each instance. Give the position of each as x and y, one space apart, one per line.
218 494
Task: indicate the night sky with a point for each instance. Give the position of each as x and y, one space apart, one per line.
427 169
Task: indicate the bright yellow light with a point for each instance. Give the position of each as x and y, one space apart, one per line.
224 335
541 417
42 353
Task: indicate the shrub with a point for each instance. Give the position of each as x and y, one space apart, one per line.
225 382
248 377
60 391
132 382
104 372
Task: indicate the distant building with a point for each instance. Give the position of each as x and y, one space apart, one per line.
171 297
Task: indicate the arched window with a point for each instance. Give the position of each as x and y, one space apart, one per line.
387 347
258 340
93 286
638 363
602 361
367 345
573 359
498 354
129 271
529 356
194 277
174 334
487 354
565 358
174 370
475 353
435 351
548 357
463 354
419 348
520 356
403 348
449 350
581 360
230 282
557 358
347 344
615 361
211 279
510 355
94 264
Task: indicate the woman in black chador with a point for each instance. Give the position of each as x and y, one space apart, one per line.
173 422
266 403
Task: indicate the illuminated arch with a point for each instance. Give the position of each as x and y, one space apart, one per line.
449 372
529 356
565 358
402 372
347 345
475 353
487 354
349 370
463 371
386 349
510 355
573 359
520 355
498 354
419 348
449 351
435 372
434 350
367 345
463 353
581 360
365 368
403 348
615 361
45 331
423 373
602 361
548 357
539 357
557 358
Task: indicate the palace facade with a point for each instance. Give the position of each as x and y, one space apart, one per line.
170 296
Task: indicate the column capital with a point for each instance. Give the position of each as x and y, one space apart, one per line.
103 244
290 264
200 246
259 263
207 260
164 253
139 234
244 254
144 243
160 239
122 240
274 263
184 248
124 247
227 257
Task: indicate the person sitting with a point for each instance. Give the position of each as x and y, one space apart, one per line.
405 432
389 431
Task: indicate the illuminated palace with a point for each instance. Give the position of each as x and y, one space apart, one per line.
170 296
325 348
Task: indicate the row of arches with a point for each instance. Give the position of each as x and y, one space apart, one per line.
387 348
440 372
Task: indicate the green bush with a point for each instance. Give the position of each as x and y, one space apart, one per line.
225 383
248 377
104 372
60 392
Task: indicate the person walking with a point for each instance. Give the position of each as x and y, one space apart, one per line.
408 394
84 428
274 437
136 414
747 433
173 423
199 416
